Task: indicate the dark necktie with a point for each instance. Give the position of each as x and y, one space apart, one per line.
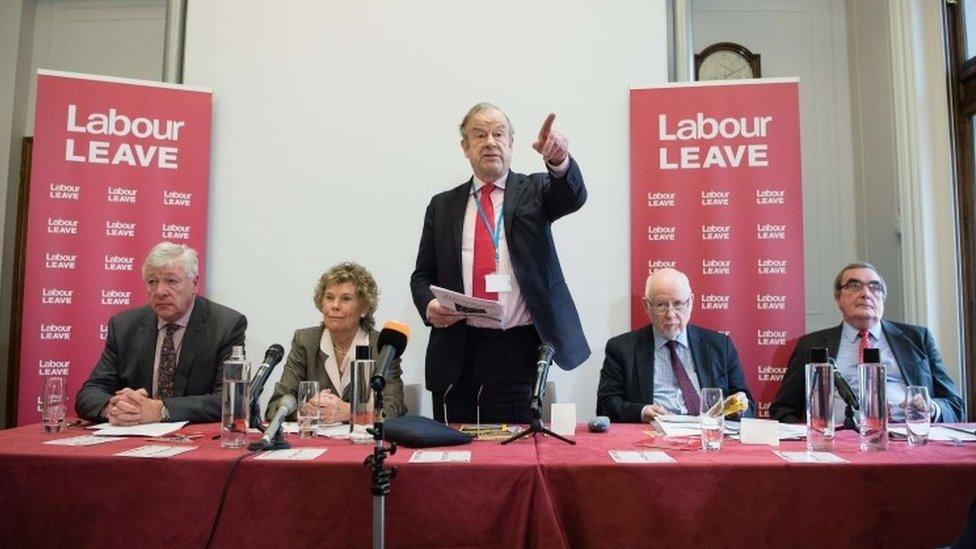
167 364
692 402
484 251
864 343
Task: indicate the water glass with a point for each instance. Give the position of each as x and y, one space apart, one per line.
235 401
918 414
820 407
360 396
712 418
872 406
54 404
309 413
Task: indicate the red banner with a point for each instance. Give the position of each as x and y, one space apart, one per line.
118 166
715 193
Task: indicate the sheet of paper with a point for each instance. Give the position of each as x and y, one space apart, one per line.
563 418
331 430
83 440
144 430
293 454
810 457
156 451
759 431
640 456
470 307
96 426
941 433
434 456
792 431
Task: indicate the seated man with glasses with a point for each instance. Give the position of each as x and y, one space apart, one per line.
908 352
662 367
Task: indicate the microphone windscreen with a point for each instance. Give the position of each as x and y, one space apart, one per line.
274 354
599 424
394 334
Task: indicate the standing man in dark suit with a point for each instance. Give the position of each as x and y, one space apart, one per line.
908 352
162 362
662 367
491 237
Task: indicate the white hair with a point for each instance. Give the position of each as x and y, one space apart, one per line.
167 253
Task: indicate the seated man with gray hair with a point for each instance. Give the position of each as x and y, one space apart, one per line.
162 361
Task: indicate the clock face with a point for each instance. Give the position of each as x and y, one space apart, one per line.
724 65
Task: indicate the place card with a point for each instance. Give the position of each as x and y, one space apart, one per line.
640 456
293 454
83 440
429 456
156 451
759 431
810 457
563 418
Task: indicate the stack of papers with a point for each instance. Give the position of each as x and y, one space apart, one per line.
144 430
690 426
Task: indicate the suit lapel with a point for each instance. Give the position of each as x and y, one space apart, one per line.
644 359
192 340
831 340
459 203
902 350
146 336
701 356
514 188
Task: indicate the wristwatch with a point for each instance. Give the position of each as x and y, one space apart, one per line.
163 413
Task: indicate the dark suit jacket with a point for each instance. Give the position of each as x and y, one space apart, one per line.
532 203
130 349
627 377
914 350
306 362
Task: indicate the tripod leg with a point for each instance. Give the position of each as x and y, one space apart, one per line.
560 437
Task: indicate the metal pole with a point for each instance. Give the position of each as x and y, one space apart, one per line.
682 40
173 38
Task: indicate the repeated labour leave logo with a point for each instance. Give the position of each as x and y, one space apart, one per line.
657 264
763 410
119 263
716 232
769 372
771 266
63 191
47 368
102 332
715 198
122 195
175 198
120 228
116 297
769 196
59 261
56 331
770 231
770 302
767 338
57 225
716 267
660 200
715 302
56 296
661 232
172 231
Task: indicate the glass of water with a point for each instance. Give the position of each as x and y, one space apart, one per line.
309 413
918 414
53 407
712 418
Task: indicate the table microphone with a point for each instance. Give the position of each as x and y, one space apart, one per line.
287 405
392 342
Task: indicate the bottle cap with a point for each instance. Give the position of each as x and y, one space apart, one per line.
363 352
818 355
872 356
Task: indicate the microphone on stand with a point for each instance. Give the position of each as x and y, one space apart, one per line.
272 357
272 439
543 361
391 342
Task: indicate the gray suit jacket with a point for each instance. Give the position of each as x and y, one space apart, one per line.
306 362
130 350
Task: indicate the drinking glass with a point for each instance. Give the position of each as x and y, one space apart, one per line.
918 414
820 407
53 406
309 412
712 418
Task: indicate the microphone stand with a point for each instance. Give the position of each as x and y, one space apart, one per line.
382 476
536 426
849 420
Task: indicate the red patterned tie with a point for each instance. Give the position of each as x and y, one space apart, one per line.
692 402
484 252
864 343
167 364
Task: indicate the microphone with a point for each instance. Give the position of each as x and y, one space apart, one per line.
392 342
271 359
543 362
288 405
845 391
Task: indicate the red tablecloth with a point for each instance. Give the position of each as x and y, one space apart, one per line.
746 496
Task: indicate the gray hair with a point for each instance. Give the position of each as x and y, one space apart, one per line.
680 278
839 279
167 253
480 108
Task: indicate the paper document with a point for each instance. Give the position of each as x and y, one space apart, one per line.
640 456
941 433
83 440
156 451
433 456
145 430
810 457
293 454
470 307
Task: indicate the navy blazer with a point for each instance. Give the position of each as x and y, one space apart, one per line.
914 350
531 203
627 377
130 351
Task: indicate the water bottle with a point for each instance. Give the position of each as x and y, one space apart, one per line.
820 402
873 403
235 400
360 409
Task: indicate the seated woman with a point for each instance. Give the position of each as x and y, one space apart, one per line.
347 296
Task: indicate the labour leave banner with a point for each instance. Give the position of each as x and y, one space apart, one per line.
118 166
715 193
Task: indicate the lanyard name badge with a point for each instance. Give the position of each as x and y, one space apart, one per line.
494 282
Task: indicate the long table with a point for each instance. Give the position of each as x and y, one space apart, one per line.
533 493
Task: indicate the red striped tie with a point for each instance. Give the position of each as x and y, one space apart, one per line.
864 343
484 252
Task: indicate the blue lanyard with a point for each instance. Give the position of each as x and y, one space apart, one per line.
497 233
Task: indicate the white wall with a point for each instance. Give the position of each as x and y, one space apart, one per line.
334 124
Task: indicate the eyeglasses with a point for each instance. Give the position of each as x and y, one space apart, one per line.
854 286
662 307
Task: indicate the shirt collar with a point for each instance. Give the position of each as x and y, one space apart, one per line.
500 183
661 341
182 322
851 334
